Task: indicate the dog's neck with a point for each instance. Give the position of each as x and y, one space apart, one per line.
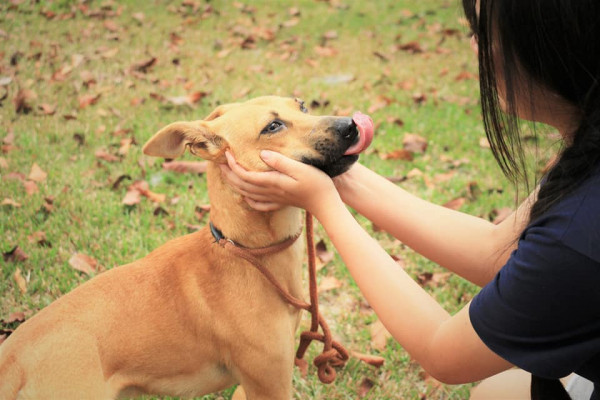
242 224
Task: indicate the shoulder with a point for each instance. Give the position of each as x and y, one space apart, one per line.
574 222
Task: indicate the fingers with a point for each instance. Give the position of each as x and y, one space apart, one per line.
263 206
256 196
253 180
281 163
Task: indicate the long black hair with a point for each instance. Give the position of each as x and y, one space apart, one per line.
553 44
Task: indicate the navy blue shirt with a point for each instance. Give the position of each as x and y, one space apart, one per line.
542 310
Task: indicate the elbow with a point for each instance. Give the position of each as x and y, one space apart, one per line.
447 374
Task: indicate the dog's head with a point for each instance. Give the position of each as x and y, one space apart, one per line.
273 123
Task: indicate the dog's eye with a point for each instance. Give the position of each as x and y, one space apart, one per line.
273 127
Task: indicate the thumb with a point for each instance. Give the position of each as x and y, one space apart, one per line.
279 162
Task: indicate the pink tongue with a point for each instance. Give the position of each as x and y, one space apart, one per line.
364 123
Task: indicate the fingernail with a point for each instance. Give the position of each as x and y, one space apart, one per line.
265 154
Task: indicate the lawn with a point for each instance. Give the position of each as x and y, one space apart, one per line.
83 85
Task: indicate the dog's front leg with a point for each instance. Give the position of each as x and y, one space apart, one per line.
267 375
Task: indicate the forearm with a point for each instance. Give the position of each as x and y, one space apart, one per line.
471 247
408 312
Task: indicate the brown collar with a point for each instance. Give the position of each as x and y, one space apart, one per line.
259 251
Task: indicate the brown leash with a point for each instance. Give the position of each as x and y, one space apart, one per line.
333 354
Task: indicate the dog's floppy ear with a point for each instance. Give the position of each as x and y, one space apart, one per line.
171 141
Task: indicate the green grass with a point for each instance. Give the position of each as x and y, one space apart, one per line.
201 51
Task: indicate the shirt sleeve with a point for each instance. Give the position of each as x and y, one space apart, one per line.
542 310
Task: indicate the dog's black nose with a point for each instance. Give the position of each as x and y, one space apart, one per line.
346 128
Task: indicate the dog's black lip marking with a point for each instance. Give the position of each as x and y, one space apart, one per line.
333 168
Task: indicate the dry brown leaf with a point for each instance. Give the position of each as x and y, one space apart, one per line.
322 253
379 335
47 109
88 100
436 279
465 75
375 361
194 167
30 187
17 316
83 263
201 211
445 177
302 365
329 283
413 47
143 189
110 25
400 154
132 197
39 237
37 174
125 146
10 203
144 66
87 78
61 74
16 254
399 260
21 282
379 103
365 386
414 143
22 101
104 155
323 51
3 163
290 22
414 173
242 93
456 204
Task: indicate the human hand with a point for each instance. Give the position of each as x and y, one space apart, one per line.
290 183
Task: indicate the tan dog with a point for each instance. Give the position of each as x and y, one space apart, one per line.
190 318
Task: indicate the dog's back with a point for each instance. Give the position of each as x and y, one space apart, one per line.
151 303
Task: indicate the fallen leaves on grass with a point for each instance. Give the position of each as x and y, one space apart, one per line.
20 281
324 256
37 174
84 263
433 279
16 254
365 386
399 154
375 361
379 335
88 100
137 190
23 99
455 204
328 283
193 167
106 156
39 237
10 203
414 143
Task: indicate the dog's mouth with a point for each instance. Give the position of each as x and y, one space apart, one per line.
339 155
364 125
